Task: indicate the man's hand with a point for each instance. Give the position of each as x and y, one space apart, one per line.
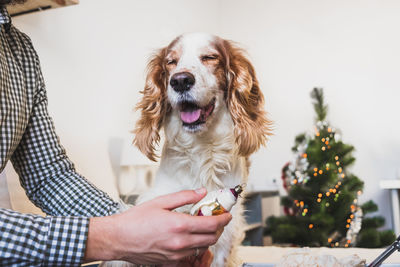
152 233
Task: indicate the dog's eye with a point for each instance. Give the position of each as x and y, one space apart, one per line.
209 57
171 62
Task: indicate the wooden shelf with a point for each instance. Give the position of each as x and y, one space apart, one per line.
394 188
390 184
254 215
38 5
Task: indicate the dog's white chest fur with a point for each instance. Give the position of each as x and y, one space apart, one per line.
203 92
189 162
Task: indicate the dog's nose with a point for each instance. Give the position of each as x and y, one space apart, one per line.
182 81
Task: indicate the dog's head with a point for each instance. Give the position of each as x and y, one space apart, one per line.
193 78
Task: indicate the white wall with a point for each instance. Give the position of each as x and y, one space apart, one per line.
351 48
93 57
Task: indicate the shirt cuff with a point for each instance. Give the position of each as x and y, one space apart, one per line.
66 241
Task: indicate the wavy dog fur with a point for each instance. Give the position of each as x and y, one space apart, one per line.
212 152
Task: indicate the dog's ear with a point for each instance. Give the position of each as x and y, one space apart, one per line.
245 101
152 107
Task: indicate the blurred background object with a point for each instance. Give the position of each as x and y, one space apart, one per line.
136 173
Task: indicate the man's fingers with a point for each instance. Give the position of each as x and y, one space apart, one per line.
179 199
202 240
208 224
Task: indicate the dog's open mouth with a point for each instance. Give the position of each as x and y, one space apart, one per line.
192 114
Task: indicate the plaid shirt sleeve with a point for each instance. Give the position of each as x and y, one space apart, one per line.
32 240
47 175
51 183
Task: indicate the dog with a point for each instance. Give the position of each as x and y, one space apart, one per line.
203 92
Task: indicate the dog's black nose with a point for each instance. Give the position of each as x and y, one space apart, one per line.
182 81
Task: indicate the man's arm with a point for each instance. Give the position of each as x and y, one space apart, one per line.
151 233
51 183
32 240
47 175
148 233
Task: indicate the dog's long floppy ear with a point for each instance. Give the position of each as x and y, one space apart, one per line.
245 101
152 106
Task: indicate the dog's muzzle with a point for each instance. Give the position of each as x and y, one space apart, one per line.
182 81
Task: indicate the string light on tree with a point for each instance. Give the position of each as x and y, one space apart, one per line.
322 194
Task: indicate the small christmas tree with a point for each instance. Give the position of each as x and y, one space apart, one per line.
321 207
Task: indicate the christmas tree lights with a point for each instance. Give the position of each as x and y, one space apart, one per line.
321 207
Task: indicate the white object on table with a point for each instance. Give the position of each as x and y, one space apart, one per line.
272 254
136 173
394 187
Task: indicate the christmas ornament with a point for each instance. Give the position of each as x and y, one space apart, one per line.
355 226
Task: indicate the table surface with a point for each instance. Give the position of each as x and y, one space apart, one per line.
272 254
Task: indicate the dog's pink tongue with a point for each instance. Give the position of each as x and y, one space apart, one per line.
190 116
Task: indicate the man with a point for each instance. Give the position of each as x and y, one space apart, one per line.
80 225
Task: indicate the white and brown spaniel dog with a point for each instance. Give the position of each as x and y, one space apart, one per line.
203 92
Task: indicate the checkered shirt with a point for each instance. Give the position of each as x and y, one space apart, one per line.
28 139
